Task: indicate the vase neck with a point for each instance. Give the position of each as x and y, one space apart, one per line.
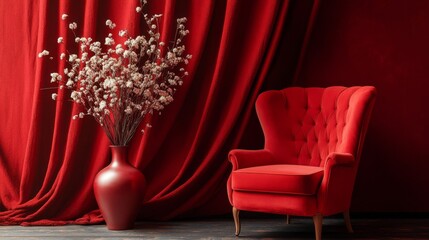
119 155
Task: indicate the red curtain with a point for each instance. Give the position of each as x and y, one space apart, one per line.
48 161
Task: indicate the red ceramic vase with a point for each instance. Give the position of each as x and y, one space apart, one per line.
119 190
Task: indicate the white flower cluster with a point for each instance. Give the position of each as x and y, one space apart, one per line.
43 53
122 80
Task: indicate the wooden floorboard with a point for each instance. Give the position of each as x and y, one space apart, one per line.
223 228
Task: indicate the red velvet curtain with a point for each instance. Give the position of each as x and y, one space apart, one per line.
48 161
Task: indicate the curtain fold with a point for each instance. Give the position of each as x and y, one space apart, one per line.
48 161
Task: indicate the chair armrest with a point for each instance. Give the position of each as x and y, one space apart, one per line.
250 158
336 189
339 159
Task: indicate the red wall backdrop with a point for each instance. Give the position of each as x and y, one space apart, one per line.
386 44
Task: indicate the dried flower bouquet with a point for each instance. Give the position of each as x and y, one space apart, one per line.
120 81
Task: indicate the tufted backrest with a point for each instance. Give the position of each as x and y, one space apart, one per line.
303 125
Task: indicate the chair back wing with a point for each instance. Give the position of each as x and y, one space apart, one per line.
303 125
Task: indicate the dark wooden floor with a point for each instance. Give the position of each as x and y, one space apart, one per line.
222 228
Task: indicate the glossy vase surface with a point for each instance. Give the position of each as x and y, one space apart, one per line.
119 189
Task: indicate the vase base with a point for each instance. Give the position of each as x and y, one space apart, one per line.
120 227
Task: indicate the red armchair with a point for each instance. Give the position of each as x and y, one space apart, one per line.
313 143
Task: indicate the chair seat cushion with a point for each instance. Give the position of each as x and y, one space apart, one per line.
285 179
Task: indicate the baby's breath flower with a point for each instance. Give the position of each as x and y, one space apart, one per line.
55 77
64 16
102 105
73 26
60 40
110 24
123 33
162 99
43 53
138 9
109 41
75 95
128 110
54 96
69 83
126 54
119 51
84 56
72 57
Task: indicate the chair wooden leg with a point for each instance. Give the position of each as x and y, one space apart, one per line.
288 219
318 219
236 215
347 221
